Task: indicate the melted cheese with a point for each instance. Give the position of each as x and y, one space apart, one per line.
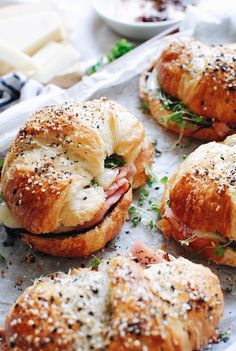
7 218
107 177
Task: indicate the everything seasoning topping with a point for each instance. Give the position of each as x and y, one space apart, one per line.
86 310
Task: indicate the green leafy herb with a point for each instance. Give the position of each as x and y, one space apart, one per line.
164 180
114 161
136 220
2 162
143 196
155 208
151 177
144 107
1 197
184 157
2 258
138 213
94 183
151 224
96 262
225 336
181 114
119 49
219 251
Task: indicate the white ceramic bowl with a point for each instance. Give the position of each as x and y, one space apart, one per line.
135 30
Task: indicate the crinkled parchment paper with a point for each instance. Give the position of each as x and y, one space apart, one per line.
118 81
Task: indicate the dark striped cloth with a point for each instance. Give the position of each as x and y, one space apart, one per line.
15 87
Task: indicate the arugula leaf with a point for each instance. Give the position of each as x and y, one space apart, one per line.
96 262
114 161
119 49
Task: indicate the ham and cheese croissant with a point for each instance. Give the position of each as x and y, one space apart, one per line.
172 305
191 89
67 178
198 206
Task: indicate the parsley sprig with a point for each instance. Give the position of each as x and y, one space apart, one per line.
119 49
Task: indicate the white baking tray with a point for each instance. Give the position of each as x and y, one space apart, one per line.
118 81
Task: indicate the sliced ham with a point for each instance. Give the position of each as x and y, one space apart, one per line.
147 256
221 128
113 194
177 224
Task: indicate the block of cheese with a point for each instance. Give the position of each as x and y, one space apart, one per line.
13 60
55 59
30 31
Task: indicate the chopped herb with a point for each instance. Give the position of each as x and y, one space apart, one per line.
114 161
155 208
219 251
143 196
225 336
136 220
144 107
138 213
164 180
151 177
151 224
1 197
2 162
2 258
119 49
94 183
96 262
184 157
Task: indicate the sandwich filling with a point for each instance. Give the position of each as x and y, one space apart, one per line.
97 199
187 236
178 113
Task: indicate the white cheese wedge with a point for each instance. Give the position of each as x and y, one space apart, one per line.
7 218
53 60
11 59
30 31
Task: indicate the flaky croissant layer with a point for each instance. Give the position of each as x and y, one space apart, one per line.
173 305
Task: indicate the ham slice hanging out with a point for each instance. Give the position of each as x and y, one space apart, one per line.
113 194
